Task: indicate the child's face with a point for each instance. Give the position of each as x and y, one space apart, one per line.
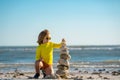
47 38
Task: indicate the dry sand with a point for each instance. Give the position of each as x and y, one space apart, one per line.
74 75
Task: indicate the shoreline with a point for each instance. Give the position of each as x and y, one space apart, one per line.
75 73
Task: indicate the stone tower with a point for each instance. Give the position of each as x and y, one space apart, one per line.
63 62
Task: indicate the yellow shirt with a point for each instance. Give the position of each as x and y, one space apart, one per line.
45 51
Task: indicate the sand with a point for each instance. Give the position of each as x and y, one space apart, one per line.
75 74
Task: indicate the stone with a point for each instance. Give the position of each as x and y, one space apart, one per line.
50 77
62 67
65 56
63 62
62 72
64 50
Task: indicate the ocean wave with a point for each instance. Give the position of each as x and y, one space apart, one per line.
96 48
3 65
111 61
96 66
16 49
106 64
33 48
111 64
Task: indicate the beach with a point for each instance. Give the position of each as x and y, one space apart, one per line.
76 72
87 62
74 76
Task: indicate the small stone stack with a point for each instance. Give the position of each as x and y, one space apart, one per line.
63 63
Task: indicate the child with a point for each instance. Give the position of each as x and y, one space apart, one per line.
44 54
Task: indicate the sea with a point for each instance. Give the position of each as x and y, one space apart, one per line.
92 57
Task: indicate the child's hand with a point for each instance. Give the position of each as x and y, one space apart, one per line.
63 43
63 40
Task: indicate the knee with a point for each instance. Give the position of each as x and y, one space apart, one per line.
49 71
38 63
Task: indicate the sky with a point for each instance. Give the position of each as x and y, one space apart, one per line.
80 22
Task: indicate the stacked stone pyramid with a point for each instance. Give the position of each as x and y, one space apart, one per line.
63 62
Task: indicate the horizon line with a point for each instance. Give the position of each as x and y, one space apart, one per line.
67 45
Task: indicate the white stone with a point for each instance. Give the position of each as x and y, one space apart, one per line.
63 62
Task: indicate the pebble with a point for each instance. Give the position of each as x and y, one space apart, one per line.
90 77
115 73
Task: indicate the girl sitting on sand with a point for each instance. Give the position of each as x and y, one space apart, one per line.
44 54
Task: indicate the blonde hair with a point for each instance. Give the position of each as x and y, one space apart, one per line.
42 36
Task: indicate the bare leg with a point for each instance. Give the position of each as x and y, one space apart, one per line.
49 70
38 65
